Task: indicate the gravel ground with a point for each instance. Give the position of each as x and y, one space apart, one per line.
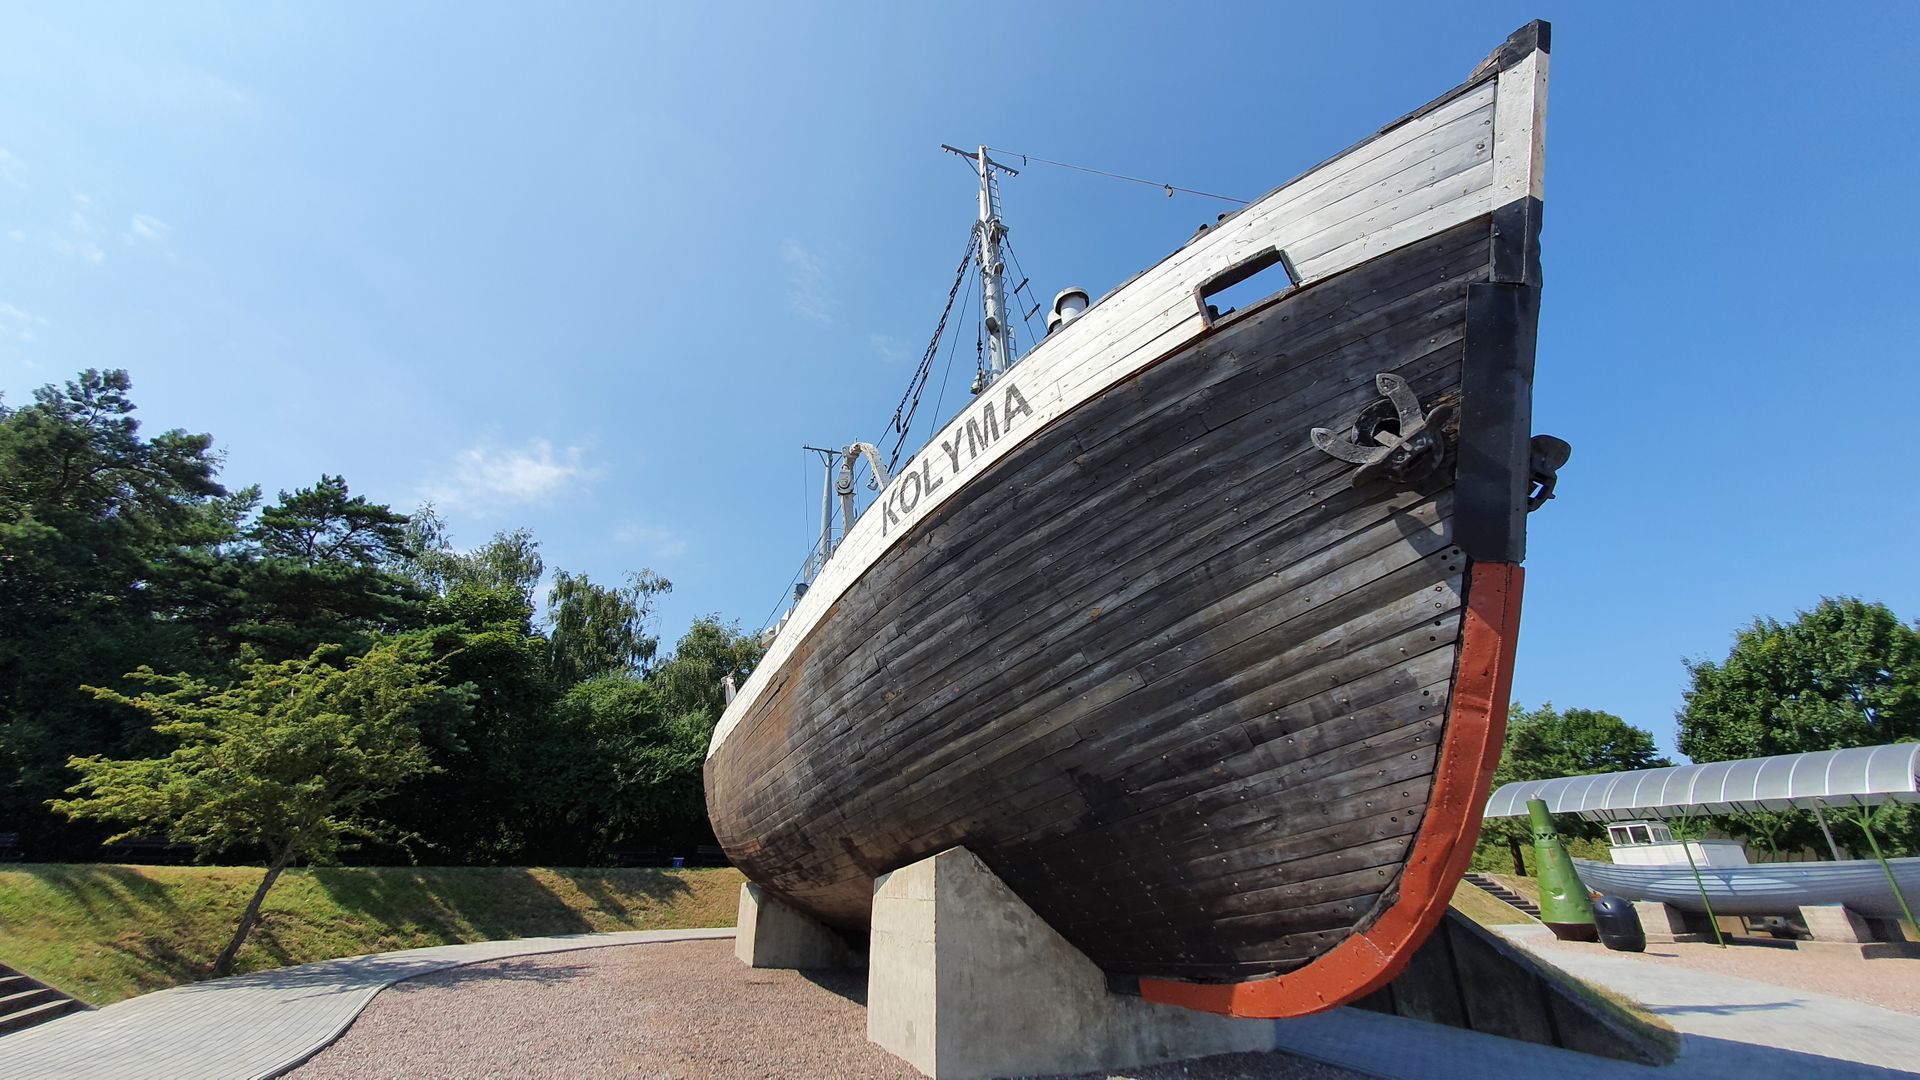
1891 983
679 1010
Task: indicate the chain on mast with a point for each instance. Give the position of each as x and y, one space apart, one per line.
991 231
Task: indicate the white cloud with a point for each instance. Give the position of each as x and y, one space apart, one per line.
78 240
888 347
80 248
20 325
806 284
487 477
13 171
17 235
145 227
655 542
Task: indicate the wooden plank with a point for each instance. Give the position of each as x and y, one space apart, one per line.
1520 131
1091 757
901 585
857 669
1138 582
1300 349
1085 339
974 746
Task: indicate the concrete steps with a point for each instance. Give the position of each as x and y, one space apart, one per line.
1503 894
25 1001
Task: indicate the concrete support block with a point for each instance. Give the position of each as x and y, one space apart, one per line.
1887 931
964 980
1835 922
1665 923
770 934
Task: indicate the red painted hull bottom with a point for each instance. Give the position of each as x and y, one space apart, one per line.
1476 729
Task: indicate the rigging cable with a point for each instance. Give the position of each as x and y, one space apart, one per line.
953 346
1168 188
767 624
1024 280
910 401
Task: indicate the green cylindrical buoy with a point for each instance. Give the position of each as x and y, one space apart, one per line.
1564 906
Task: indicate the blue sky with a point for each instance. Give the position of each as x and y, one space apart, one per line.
601 269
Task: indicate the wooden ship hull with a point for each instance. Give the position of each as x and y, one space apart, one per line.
1219 703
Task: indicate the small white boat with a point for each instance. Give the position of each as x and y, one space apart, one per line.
1759 888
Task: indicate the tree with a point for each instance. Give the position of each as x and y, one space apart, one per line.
622 757
511 558
693 678
283 761
110 557
1845 674
322 572
1545 743
622 767
480 806
598 631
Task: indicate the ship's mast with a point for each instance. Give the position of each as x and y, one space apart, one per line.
992 269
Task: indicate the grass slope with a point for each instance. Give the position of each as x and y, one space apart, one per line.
1480 906
103 933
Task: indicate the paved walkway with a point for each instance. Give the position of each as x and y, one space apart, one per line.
1732 1026
254 1026
263 1024
1402 1049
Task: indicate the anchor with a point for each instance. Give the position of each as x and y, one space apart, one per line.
1403 456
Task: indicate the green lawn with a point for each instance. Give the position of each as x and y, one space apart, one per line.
1480 906
102 933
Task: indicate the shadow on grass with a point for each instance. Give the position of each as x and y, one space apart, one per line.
490 903
111 896
105 891
613 890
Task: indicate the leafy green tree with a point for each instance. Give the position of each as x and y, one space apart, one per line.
1846 673
596 630
110 557
623 757
511 558
624 767
1546 743
322 572
693 679
283 761
480 807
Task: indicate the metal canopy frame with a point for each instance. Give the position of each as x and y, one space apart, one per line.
1860 776
1856 778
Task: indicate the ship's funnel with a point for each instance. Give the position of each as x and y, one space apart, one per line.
1067 306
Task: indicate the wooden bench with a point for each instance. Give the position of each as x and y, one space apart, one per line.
711 855
150 851
638 855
